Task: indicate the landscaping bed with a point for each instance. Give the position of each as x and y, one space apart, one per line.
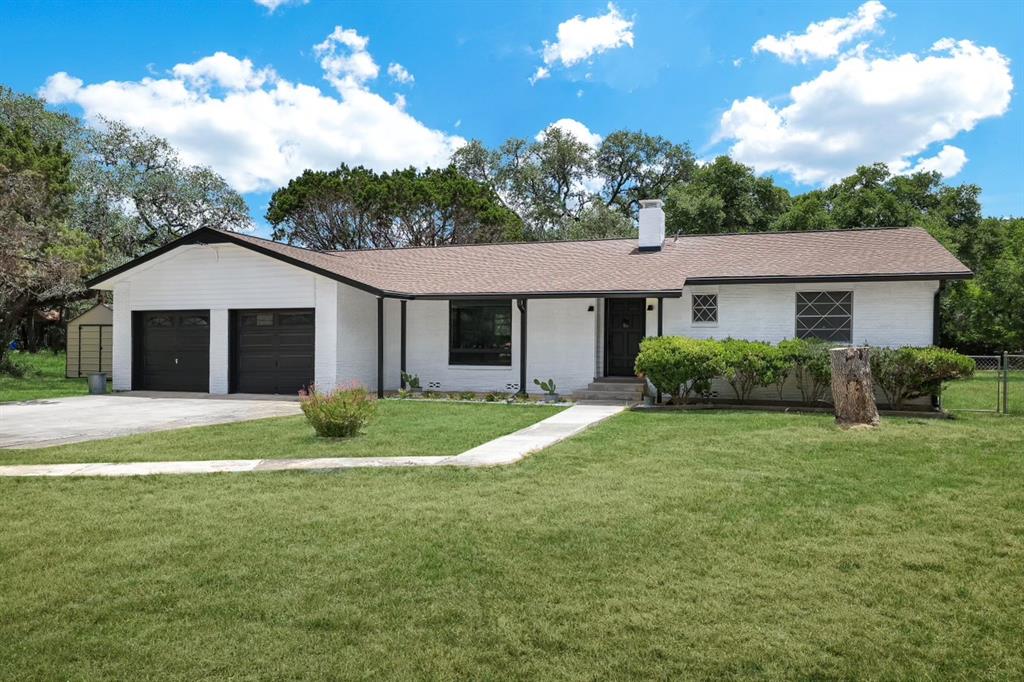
399 429
700 545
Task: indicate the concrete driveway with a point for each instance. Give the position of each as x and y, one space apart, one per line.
41 423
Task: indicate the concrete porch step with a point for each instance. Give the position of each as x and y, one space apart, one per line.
606 396
619 389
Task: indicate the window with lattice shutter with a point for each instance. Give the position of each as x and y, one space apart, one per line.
825 315
705 308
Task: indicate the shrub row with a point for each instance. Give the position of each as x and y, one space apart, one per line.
684 367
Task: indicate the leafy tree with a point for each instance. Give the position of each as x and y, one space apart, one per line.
167 197
357 208
724 196
985 314
635 166
41 258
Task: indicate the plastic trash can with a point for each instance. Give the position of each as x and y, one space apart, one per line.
97 383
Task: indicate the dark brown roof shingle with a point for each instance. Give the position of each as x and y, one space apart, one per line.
617 266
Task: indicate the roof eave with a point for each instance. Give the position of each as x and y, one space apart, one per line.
810 279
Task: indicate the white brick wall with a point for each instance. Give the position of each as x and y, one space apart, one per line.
357 337
219 345
325 342
122 368
884 313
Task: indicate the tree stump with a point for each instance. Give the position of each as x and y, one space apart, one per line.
853 390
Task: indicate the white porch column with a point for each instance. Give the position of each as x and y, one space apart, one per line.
122 351
326 354
219 351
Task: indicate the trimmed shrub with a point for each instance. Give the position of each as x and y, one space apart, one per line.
809 363
340 413
680 366
750 364
907 373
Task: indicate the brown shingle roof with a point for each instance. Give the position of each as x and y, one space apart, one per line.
614 266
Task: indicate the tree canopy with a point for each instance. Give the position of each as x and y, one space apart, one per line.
75 200
352 208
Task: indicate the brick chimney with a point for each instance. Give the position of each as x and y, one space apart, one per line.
652 225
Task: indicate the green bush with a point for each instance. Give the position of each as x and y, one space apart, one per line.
907 373
340 413
750 364
808 361
680 366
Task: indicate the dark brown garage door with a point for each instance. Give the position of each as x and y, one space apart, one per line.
273 351
172 350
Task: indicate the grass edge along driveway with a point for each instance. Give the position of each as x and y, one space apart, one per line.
400 428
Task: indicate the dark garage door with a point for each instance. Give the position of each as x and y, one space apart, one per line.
273 351
172 350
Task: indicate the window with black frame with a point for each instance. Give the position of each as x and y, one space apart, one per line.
825 315
480 332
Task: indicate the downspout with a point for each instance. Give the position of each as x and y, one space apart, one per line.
661 324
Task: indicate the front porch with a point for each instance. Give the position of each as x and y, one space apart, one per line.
586 344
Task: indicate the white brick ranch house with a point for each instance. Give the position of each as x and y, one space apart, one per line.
223 312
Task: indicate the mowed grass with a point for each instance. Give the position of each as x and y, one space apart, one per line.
399 428
654 546
983 392
44 378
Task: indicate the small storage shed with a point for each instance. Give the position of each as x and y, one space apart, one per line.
90 342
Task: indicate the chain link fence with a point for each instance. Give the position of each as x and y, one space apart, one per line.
997 386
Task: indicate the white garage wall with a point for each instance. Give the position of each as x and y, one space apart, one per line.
219 278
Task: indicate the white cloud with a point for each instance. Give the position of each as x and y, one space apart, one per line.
259 130
272 5
400 74
866 110
224 70
579 39
949 161
540 74
578 130
824 38
344 59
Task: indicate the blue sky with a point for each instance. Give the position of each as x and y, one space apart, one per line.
247 91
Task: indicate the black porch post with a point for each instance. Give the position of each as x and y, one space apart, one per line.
661 321
402 368
380 347
521 303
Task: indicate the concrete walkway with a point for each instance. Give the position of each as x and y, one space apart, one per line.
504 450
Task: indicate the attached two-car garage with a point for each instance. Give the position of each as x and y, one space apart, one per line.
271 351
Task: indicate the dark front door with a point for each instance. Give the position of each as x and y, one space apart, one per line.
624 328
172 350
273 351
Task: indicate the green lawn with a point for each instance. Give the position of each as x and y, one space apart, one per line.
655 546
44 378
400 428
981 392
